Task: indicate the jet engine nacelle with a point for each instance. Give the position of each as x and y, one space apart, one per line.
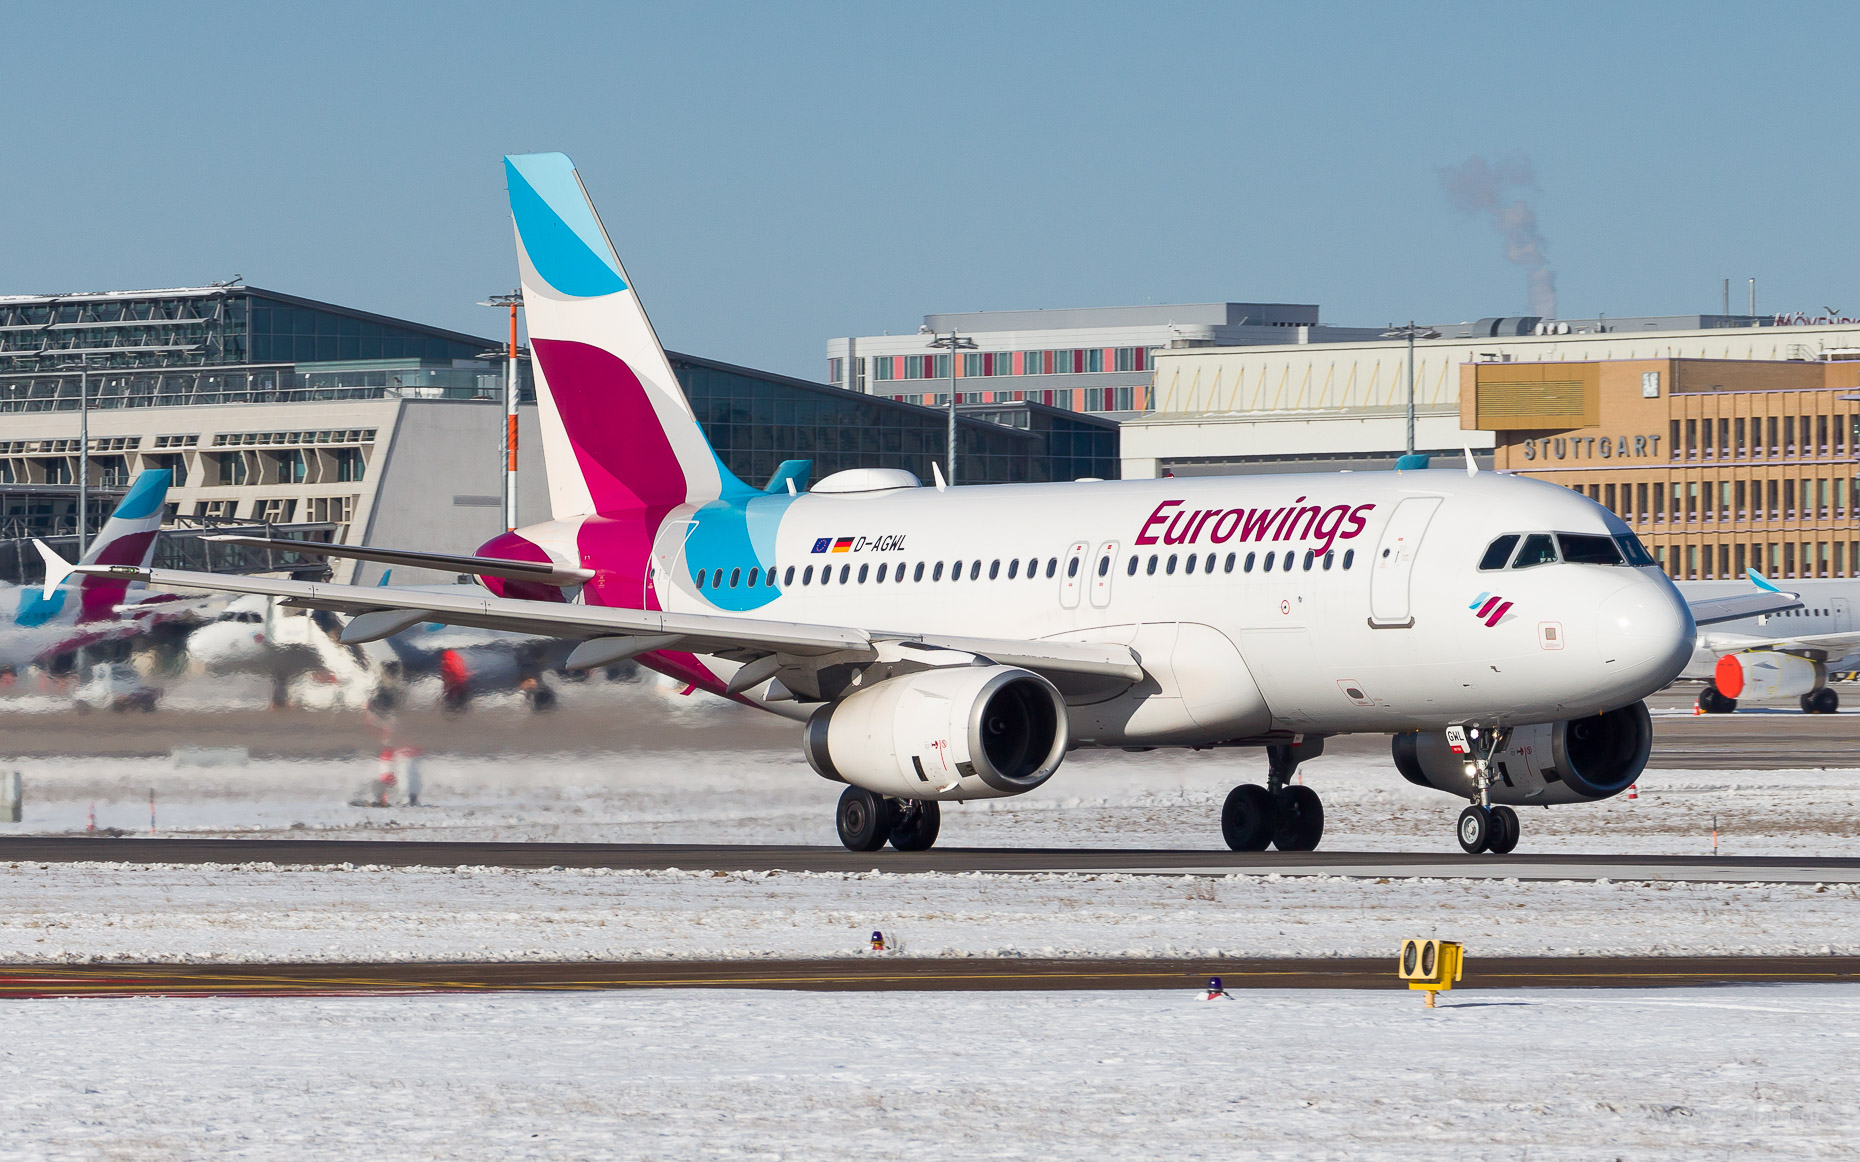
1575 761
1762 674
959 732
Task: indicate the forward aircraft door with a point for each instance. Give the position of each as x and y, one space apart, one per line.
1843 616
1389 605
1071 571
1101 574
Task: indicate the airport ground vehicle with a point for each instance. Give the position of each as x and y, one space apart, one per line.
949 643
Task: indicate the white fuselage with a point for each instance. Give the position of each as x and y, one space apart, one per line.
1384 633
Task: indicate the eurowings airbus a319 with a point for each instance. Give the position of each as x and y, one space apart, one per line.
955 643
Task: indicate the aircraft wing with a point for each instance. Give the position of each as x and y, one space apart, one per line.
1834 645
1712 610
383 610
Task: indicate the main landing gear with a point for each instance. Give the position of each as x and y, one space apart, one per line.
867 821
1483 827
1282 814
1711 701
1822 701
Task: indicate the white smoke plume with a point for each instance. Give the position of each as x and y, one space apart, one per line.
1479 188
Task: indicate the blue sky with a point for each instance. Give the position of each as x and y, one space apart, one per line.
774 175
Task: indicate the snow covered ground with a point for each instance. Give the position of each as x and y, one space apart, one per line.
1160 800
77 913
1727 1073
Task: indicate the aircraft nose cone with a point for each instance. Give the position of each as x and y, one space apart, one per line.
1647 635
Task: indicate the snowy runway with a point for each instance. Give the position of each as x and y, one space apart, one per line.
1742 1072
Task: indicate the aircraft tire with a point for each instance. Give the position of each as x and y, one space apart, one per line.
1505 831
1298 819
1475 829
1713 702
916 825
864 819
1247 818
1822 701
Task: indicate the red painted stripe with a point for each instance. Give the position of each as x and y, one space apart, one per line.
1487 607
1498 613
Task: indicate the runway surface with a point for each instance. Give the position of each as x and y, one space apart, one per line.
1754 737
884 973
1023 861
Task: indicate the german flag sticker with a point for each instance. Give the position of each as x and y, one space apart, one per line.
843 545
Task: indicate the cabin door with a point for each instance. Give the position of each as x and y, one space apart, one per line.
1389 604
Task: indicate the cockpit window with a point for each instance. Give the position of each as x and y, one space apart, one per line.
1498 552
1585 549
1635 552
1538 549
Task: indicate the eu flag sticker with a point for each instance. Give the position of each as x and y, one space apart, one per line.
821 545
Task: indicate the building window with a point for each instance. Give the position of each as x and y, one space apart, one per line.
836 372
1608 499
1673 450
1775 442
1739 428
349 465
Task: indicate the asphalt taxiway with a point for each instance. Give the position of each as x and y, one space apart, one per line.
885 973
1024 861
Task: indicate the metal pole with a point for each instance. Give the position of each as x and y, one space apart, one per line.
510 428
83 461
1410 406
952 407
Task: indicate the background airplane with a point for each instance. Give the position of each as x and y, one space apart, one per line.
37 625
1781 654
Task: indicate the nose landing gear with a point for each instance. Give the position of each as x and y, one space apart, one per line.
1483 827
1493 829
1281 814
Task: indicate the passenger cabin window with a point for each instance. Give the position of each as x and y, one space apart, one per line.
1499 552
1538 549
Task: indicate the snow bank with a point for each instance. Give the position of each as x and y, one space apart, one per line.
76 913
1727 1073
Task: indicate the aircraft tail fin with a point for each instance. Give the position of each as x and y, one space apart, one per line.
127 538
618 432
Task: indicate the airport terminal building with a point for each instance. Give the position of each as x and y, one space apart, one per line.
1091 360
1718 464
330 423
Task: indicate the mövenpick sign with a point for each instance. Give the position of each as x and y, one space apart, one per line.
1291 523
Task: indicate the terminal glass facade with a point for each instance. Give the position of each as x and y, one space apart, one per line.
756 420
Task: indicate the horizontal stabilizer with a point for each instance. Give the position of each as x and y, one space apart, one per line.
544 571
1711 611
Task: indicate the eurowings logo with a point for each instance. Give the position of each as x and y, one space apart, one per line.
1490 609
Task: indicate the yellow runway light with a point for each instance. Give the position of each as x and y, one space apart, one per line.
1429 965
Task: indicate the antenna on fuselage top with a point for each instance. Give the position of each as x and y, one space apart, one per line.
936 470
1472 468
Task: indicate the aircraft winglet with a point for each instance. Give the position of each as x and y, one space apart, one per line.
1756 579
57 569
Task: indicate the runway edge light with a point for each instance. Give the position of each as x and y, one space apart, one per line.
1429 965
